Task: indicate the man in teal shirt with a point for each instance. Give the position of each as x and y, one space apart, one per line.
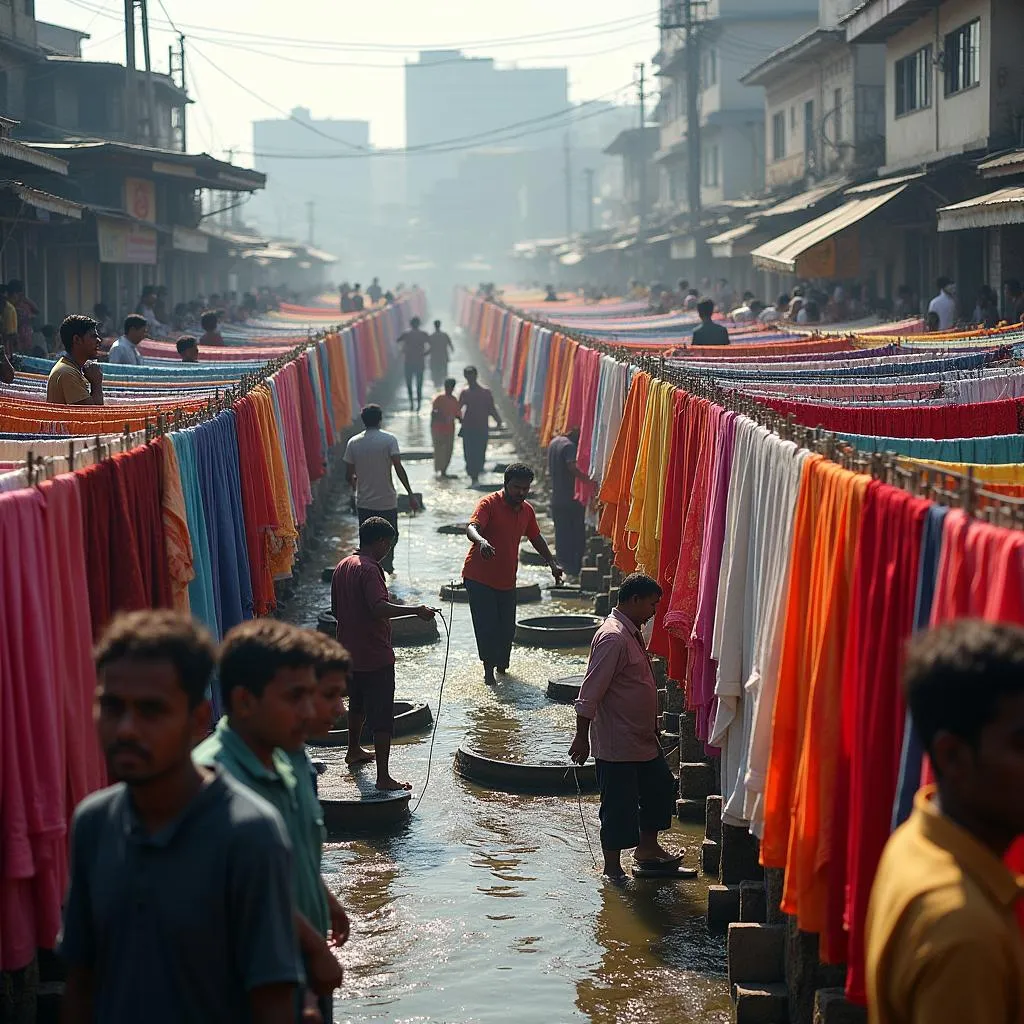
268 686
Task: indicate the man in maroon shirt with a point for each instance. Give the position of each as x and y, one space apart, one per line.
478 408
364 610
618 712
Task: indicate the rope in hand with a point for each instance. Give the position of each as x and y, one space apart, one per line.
440 692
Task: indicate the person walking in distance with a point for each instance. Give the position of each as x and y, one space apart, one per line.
414 344
943 942
369 459
499 522
566 511
617 714
478 408
364 610
443 415
440 348
180 904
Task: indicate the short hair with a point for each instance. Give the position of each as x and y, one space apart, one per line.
518 471
333 657
415 322
705 308
134 321
638 584
208 320
14 286
944 282
372 415
374 529
161 636
437 323
471 369
956 674
782 300
74 325
450 382
185 342
255 651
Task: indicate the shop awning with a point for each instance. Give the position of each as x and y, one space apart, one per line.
570 259
730 243
996 209
781 254
803 201
45 201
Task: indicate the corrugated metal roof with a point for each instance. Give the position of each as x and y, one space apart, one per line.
781 254
29 155
46 201
804 200
1008 163
996 209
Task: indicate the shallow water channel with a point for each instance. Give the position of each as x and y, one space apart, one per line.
487 907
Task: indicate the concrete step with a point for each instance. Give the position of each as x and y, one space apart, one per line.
740 852
690 810
696 780
760 1004
723 907
753 903
590 580
713 818
710 857
831 1007
756 953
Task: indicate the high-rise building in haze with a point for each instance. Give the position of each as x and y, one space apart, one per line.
323 162
454 103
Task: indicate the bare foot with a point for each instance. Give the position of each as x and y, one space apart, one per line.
390 785
358 756
489 677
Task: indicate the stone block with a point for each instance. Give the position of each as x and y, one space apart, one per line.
606 584
723 906
676 697
760 1004
753 903
589 562
603 563
832 1007
590 580
690 810
711 858
805 973
739 856
756 952
713 818
617 576
662 701
602 606
774 879
670 721
696 780
594 545
668 741
19 991
660 670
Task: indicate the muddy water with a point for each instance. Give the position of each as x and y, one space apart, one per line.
487 907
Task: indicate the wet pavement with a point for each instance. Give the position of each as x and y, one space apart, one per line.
486 907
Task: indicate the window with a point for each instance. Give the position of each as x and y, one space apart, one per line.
711 166
779 136
709 67
914 81
792 119
837 106
963 57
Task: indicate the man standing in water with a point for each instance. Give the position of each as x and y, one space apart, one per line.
364 610
180 899
445 411
499 522
478 409
566 511
414 344
369 459
617 712
440 348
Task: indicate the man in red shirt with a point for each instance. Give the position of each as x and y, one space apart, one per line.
445 411
499 522
364 610
618 712
478 408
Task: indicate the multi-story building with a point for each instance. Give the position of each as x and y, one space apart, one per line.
729 36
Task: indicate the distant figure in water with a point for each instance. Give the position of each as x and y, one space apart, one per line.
551 295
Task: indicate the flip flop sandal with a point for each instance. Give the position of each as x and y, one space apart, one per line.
662 869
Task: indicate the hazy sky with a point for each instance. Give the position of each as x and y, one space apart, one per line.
344 60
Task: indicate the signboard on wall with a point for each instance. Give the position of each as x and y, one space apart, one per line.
140 199
121 241
837 258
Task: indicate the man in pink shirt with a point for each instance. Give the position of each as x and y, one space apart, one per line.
617 712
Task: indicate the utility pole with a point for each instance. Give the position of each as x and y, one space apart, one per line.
310 217
130 105
644 198
568 186
176 67
693 150
150 89
588 174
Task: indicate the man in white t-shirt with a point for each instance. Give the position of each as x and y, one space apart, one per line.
125 351
369 460
944 304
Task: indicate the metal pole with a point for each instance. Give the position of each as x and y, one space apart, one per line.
130 106
568 186
589 175
644 199
184 88
693 116
310 218
150 91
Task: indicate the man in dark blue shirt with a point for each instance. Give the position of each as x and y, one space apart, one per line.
709 333
180 902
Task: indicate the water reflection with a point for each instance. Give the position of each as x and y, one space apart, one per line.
486 907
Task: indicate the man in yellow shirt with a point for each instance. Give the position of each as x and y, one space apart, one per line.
8 320
943 943
76 379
